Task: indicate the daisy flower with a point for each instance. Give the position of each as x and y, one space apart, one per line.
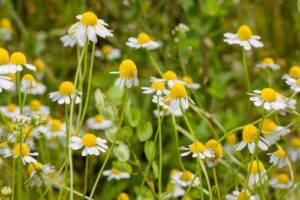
128 74
157 87
268 63
22 150
107 51
143 40
123 196
197 149
6 190
35 106
37 171
169 76
116 174
179 98
244 38
294 149
230 142
6 29
272 132
188 82
173 191
18 60
185 179
70 39
281 181
269 99
294 72
92 145
27 82
250 137
293 83
98 123
215 147
5 66
65 94
10 111
257 173
40 68
37 89
54 128
278 158
5 82
244 194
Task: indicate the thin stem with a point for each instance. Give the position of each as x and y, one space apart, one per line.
86 174
160 149
246 70
216 182
176 142
13 180
155 64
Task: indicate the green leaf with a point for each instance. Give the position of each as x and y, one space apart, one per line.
149 150
115 95
143 192
99 98
134 117
121 151
122 166
125 133
144 131
155 169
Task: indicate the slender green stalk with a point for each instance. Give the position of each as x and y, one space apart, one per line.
13 180
160 149
176 142
155 64
86 174
245 66
216 182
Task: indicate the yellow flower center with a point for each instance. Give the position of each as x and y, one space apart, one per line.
295 142
174 171
27 131
28 77
24 151
4 56
298 82
169 75
215 146
106 49
127 69
89 19
178 91
66 88
197 147
268 94
35 105
256 166
186 176
158 85
294 71
143 38
89 140
231 138
123 196
282 178
18 58
40 65
250 133
99 118
268 61
11 107
244 32
280 153
5 23
268 126
12 76
55 125
10 126
116 171
243 196
34 167
187 79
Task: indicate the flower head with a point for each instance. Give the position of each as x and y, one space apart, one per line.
116 174
65 94
197 149
281 181
278 158
143 40
257 173
268 63
272 132
22 150
98 122
18 60
185 179
215 147
128 74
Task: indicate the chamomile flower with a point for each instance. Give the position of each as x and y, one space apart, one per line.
54 128
244 38
294 72
173 191
37 171
5 66
197 149
188 82
22 150
157 87
257 173
272 132
241 195
27 82
5 83
35 106
6 190
278 158
294 149
40 68
269 99
250 137
143 40
10 111
92 145
65 94
70 39
215 147
179 98
6 29
98 122
170 77
293 83
231 140
116 174
37 89
281 181
123 196
18 60
107 51
268 63
185 179
128 74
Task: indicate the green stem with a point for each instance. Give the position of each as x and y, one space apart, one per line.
86 174
176 142
155 64
160 149
216 182
246 70
13 180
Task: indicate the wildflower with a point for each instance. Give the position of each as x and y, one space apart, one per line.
54 128
179 98
116 174
269 99
11 110
22 150
257 173
35 106
185 179
188 82
169 76
128 74
243 195
244 38
293 83
173 191
230 142
92 145
157 87
40 68
294 149
98 123
5 82
27 82
5 66
215 147
18 60
268 63
6 190
278 158
107 51
70 39
6 29
250 137
272 132
37 171
65 94
181 28
281 181
143 40
123 196
197 149
294 73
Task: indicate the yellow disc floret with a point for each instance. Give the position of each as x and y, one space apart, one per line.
127 69
89 140
294 71
268 94
28 77
244 32
178 91
5 23
250 133
280 153
99 118
115 171
298 82
186 176
89 19
11 107
66 88
268 126
106 49
143 38
158 85
268 61
35 105
55 125
4 56
295 142
169 75
34 167
17 151
231 138
256 166
197 147
123 196
40 65
187 79
215 146
282 178
18 58
243 196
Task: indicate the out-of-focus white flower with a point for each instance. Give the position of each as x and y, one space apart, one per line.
116 174
143 40
98 123
107 51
